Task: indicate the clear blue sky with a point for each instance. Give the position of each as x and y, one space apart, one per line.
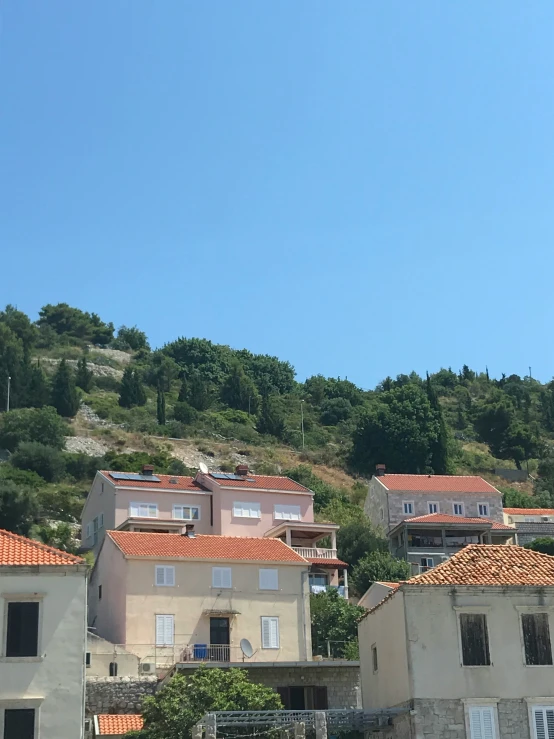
363 188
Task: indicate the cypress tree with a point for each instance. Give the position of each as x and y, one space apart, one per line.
65 398
38 390
83 378
160 406
183 391
439 448
140 392
131 391
271 420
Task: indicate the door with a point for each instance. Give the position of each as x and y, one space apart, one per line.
297 698
219 639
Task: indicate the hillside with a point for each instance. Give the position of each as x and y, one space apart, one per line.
120 404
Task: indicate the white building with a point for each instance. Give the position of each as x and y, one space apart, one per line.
464 650
43 601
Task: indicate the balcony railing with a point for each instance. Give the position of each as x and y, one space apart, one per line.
315 553
315 589
212 653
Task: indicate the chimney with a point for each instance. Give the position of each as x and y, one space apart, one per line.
148 469
189 531
380 470
242 470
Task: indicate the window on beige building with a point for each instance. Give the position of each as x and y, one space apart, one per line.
543 722
246 510
143 510
186 512
287 512
269 579
165 630
481 722
270 632
165 576
474 639
536 638
22 633
221 577
19 723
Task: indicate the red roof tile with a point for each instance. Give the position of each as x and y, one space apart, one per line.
486 564
139 544
265 482
438 518
529 511
182 483
119 724
323 561
18 550
437 484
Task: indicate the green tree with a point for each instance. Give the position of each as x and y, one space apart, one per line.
74 324
59 535
356 539
271 420
378 566
335 410
65 397
38 389
184 413
11 365
46 461
32 424
84 376
18 507
334 620
513 498
323 492
440 447
160 407
238 391
185 699
544 483
131 392
130 338
399 429
544 544
20 324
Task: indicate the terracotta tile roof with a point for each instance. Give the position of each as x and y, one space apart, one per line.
119 724
437 484
323 561
265 482
183 483
18 550
529 511
389 584
438 518
142 544
491 564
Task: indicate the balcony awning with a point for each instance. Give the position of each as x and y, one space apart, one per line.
306 530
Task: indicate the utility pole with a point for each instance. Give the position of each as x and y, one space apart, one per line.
8 400
302 416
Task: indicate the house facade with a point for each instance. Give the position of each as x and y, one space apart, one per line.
238 504
43 601
530 523
464 650
191 598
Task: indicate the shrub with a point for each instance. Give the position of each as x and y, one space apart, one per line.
46 461
18 507
544 544
184 413
378 566
32 424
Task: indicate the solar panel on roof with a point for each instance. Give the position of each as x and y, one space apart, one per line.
137 478
230 476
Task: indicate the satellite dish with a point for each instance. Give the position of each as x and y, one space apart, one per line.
246 648
203 468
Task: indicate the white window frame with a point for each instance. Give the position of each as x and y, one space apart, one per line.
405 505
268 575
462 506
247 509
167 579
287 512
222 578
20 598
271 620
138 505
182 507
427 560
21 704
90 530
431 503
487 510
471 704
164 643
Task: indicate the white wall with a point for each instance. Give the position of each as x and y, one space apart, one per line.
54 680
432 628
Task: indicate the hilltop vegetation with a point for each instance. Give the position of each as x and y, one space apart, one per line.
205 394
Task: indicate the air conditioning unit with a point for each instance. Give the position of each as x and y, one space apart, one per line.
148 667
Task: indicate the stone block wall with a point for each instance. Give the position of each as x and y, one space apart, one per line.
513 719
342 682
118 694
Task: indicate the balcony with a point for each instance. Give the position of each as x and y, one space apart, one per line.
212 653
316 553
315 589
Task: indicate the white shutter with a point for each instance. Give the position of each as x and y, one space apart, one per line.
89 530
270 632
481 722
164 630
160 575
221 577
269 579
544 722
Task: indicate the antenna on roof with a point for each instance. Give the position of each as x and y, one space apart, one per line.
203 468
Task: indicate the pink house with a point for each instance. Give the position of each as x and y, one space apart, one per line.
238 504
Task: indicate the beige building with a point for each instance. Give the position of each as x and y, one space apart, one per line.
43 597
464 650
530 523
169 598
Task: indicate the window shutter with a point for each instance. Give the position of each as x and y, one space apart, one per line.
270 632
540 725
320 698
170 576
89 530
216 577
481 722
221 577
269 579
164 630
266 633
101 521
226 577
160 575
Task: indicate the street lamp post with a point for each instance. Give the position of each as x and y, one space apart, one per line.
8 399
302 422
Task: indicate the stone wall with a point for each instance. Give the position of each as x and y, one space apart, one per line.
513 719
118 694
